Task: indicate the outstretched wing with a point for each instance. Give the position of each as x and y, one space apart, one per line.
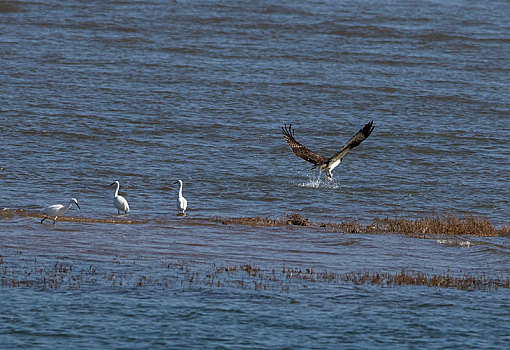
354 141
300 150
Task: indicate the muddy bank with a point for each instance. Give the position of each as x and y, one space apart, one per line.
445 224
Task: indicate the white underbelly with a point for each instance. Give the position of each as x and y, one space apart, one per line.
334 164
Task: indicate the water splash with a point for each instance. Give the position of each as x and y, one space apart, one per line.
318 182
454 242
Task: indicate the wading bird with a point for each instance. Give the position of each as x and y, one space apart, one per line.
182 203
325 164
57 210
120 202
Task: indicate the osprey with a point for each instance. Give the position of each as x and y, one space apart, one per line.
325 164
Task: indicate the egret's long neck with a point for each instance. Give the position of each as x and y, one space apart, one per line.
180 190
68 206
117 190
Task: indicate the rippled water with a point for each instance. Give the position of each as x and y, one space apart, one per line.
150 91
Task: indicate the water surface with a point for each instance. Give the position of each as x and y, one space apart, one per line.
151 91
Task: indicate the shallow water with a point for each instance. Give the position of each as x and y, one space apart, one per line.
149 92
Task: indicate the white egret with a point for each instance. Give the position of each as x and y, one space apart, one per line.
57 210
182 203
120 202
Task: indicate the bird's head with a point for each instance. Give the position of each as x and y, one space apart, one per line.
75 201
178 182
114 183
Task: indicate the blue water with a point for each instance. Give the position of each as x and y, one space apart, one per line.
307 319
153 91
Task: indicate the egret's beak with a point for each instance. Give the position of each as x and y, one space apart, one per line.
176 182
78 206
111 184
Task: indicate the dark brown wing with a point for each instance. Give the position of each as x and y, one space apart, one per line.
354 141
300 150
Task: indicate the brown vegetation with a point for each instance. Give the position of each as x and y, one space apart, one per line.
63 274
465 282
446 224
291 219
